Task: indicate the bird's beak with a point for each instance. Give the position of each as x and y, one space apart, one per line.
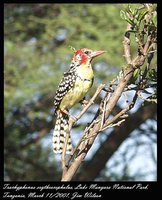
96 53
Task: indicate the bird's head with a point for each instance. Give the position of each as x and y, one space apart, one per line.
84 55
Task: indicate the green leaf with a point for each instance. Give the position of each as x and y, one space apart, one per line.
123 15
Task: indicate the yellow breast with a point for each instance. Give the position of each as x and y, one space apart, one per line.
82 85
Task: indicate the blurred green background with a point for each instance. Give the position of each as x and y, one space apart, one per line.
36 53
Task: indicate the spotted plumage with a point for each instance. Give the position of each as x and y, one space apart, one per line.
65 85
73 87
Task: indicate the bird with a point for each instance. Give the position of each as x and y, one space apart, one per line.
72 89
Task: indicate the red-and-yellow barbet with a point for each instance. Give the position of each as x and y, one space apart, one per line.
72 89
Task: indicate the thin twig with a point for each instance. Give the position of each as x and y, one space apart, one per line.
126 44
73 120
91 101
121 113
103 110
108 122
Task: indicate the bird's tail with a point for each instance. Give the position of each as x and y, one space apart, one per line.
59 134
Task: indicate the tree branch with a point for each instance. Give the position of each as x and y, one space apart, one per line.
100 121
91 169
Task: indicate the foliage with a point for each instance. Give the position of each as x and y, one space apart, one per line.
143 24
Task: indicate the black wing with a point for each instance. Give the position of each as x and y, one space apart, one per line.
65 85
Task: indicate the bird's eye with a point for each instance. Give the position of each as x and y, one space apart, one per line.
86 52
